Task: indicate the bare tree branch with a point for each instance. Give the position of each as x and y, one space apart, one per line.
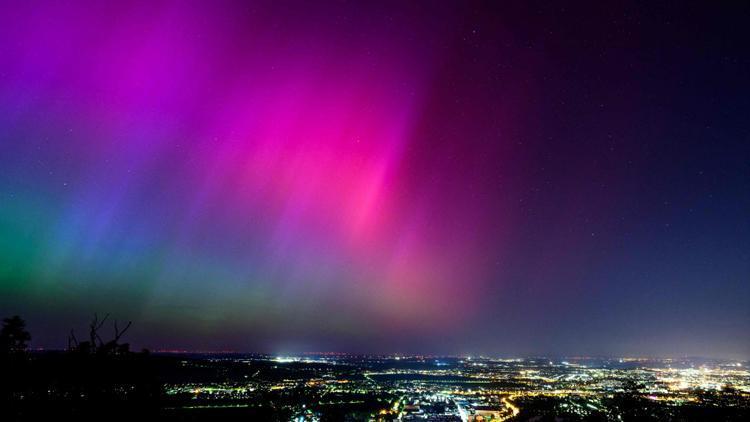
103 321
119 333
72 339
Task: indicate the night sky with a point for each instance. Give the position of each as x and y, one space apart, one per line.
430 177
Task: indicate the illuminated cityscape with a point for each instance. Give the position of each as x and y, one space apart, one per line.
427 388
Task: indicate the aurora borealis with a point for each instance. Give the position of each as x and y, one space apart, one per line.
422 177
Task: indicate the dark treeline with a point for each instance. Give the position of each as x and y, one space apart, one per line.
98 378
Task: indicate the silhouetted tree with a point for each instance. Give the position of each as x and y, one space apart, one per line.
14 338
113 347
95 345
